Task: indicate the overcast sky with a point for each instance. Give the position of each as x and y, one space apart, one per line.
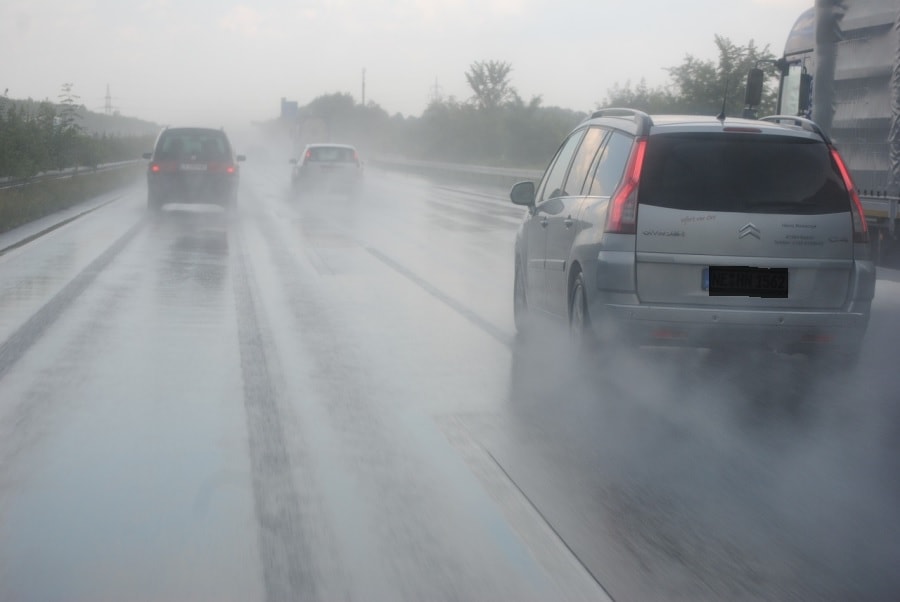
222 62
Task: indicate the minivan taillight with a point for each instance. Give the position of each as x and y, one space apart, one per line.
860 228
621 217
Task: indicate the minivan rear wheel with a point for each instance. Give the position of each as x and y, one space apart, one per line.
579 320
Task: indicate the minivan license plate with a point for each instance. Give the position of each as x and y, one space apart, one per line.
746 281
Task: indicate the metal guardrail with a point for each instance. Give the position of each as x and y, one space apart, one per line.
9 183
504 175
885 208
882 208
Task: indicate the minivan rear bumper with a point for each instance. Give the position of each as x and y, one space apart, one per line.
617 313
212 188
787 330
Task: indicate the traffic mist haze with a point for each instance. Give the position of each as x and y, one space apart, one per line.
701 470
226 64
700 450
789 464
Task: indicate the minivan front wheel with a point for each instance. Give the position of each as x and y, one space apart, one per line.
520 301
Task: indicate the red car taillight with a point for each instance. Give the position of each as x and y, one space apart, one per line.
621 217
860 227
221 167
154 167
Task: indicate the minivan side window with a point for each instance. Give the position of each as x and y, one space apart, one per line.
583 160
552 186
610 165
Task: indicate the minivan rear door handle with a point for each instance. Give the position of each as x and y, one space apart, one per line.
568 221
544 222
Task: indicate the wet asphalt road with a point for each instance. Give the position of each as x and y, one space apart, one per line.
323 398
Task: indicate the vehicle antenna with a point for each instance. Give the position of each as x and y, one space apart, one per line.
721 115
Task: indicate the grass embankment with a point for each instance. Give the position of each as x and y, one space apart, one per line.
41 198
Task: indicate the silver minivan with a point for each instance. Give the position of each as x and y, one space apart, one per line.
699 232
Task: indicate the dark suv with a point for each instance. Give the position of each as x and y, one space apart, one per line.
192 165
697 231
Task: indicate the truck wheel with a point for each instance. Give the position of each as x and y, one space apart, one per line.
876 245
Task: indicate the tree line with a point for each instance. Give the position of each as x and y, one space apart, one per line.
496 126
39 136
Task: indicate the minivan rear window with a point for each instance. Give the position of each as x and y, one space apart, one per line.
740 172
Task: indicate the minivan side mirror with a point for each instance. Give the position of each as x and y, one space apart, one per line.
753 94
241 157
522 193
147 156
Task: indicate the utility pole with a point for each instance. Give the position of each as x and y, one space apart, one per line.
364 86
436 93
107 106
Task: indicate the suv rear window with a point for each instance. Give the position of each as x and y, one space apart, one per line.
745 173
331 153
197 144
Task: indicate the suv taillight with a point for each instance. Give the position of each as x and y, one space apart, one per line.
621 217
860 227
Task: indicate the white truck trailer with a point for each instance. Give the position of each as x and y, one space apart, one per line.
841 68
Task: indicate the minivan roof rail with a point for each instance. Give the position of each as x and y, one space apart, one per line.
643 121
802 122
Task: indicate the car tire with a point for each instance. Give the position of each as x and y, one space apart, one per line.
580 331
521 314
